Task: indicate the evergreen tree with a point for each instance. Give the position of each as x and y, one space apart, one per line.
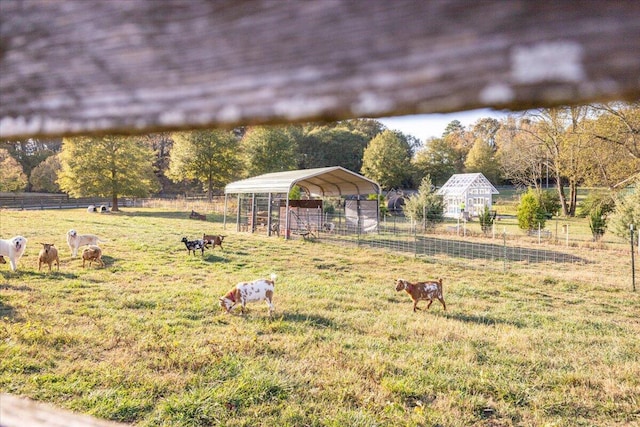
530 212
427 206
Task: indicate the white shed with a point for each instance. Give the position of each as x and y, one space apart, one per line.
466 195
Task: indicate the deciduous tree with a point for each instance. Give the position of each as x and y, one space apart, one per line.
44 176
107 166
210 157
270 149
12 178
386 161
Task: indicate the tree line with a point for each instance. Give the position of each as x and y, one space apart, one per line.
561 148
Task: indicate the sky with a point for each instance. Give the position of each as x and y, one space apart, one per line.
425 126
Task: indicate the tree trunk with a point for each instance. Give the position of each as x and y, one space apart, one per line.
563 199
114 202
573 198
210 188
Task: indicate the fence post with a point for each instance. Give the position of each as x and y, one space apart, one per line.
633 263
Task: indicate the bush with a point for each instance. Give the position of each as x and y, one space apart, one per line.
486 219
597 223
530 213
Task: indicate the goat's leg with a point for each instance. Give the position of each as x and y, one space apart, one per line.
443 304
415 305
429 305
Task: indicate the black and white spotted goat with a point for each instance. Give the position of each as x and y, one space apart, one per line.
194 245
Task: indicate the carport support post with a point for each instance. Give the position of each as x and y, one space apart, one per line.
269 216
253 212
238 214
286 221
224 214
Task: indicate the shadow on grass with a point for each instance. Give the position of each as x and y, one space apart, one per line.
156 214
483 320
214 258
309 319
58 275
8 312
211 217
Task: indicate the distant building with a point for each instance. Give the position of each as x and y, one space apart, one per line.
466 194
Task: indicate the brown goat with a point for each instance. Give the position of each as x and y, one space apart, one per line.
215 240
48 255
92 253
422 291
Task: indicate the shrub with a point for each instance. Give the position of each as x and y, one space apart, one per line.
486 219
597 223
530 212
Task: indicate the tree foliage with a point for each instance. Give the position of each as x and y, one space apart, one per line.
426 206
208 156
387 161
482 158
106 166
626 213
44 176
438 159
12 178
270 149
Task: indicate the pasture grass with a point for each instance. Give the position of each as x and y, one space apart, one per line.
144 341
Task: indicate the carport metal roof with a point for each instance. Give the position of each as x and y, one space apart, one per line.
319 182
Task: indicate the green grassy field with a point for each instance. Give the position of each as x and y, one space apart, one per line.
144 341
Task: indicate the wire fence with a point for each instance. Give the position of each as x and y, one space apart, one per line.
556 254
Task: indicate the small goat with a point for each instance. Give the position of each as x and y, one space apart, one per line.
193 245
422 291
214 240
48 255
244 292
92 253
196 215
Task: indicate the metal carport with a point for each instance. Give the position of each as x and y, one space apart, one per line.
332 181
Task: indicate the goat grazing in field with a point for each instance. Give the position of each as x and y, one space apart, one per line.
422 291
12 249
75 241
48 255
193 245
212 239
92 253
244 292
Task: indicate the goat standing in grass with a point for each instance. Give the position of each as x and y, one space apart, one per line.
48 255
422 291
